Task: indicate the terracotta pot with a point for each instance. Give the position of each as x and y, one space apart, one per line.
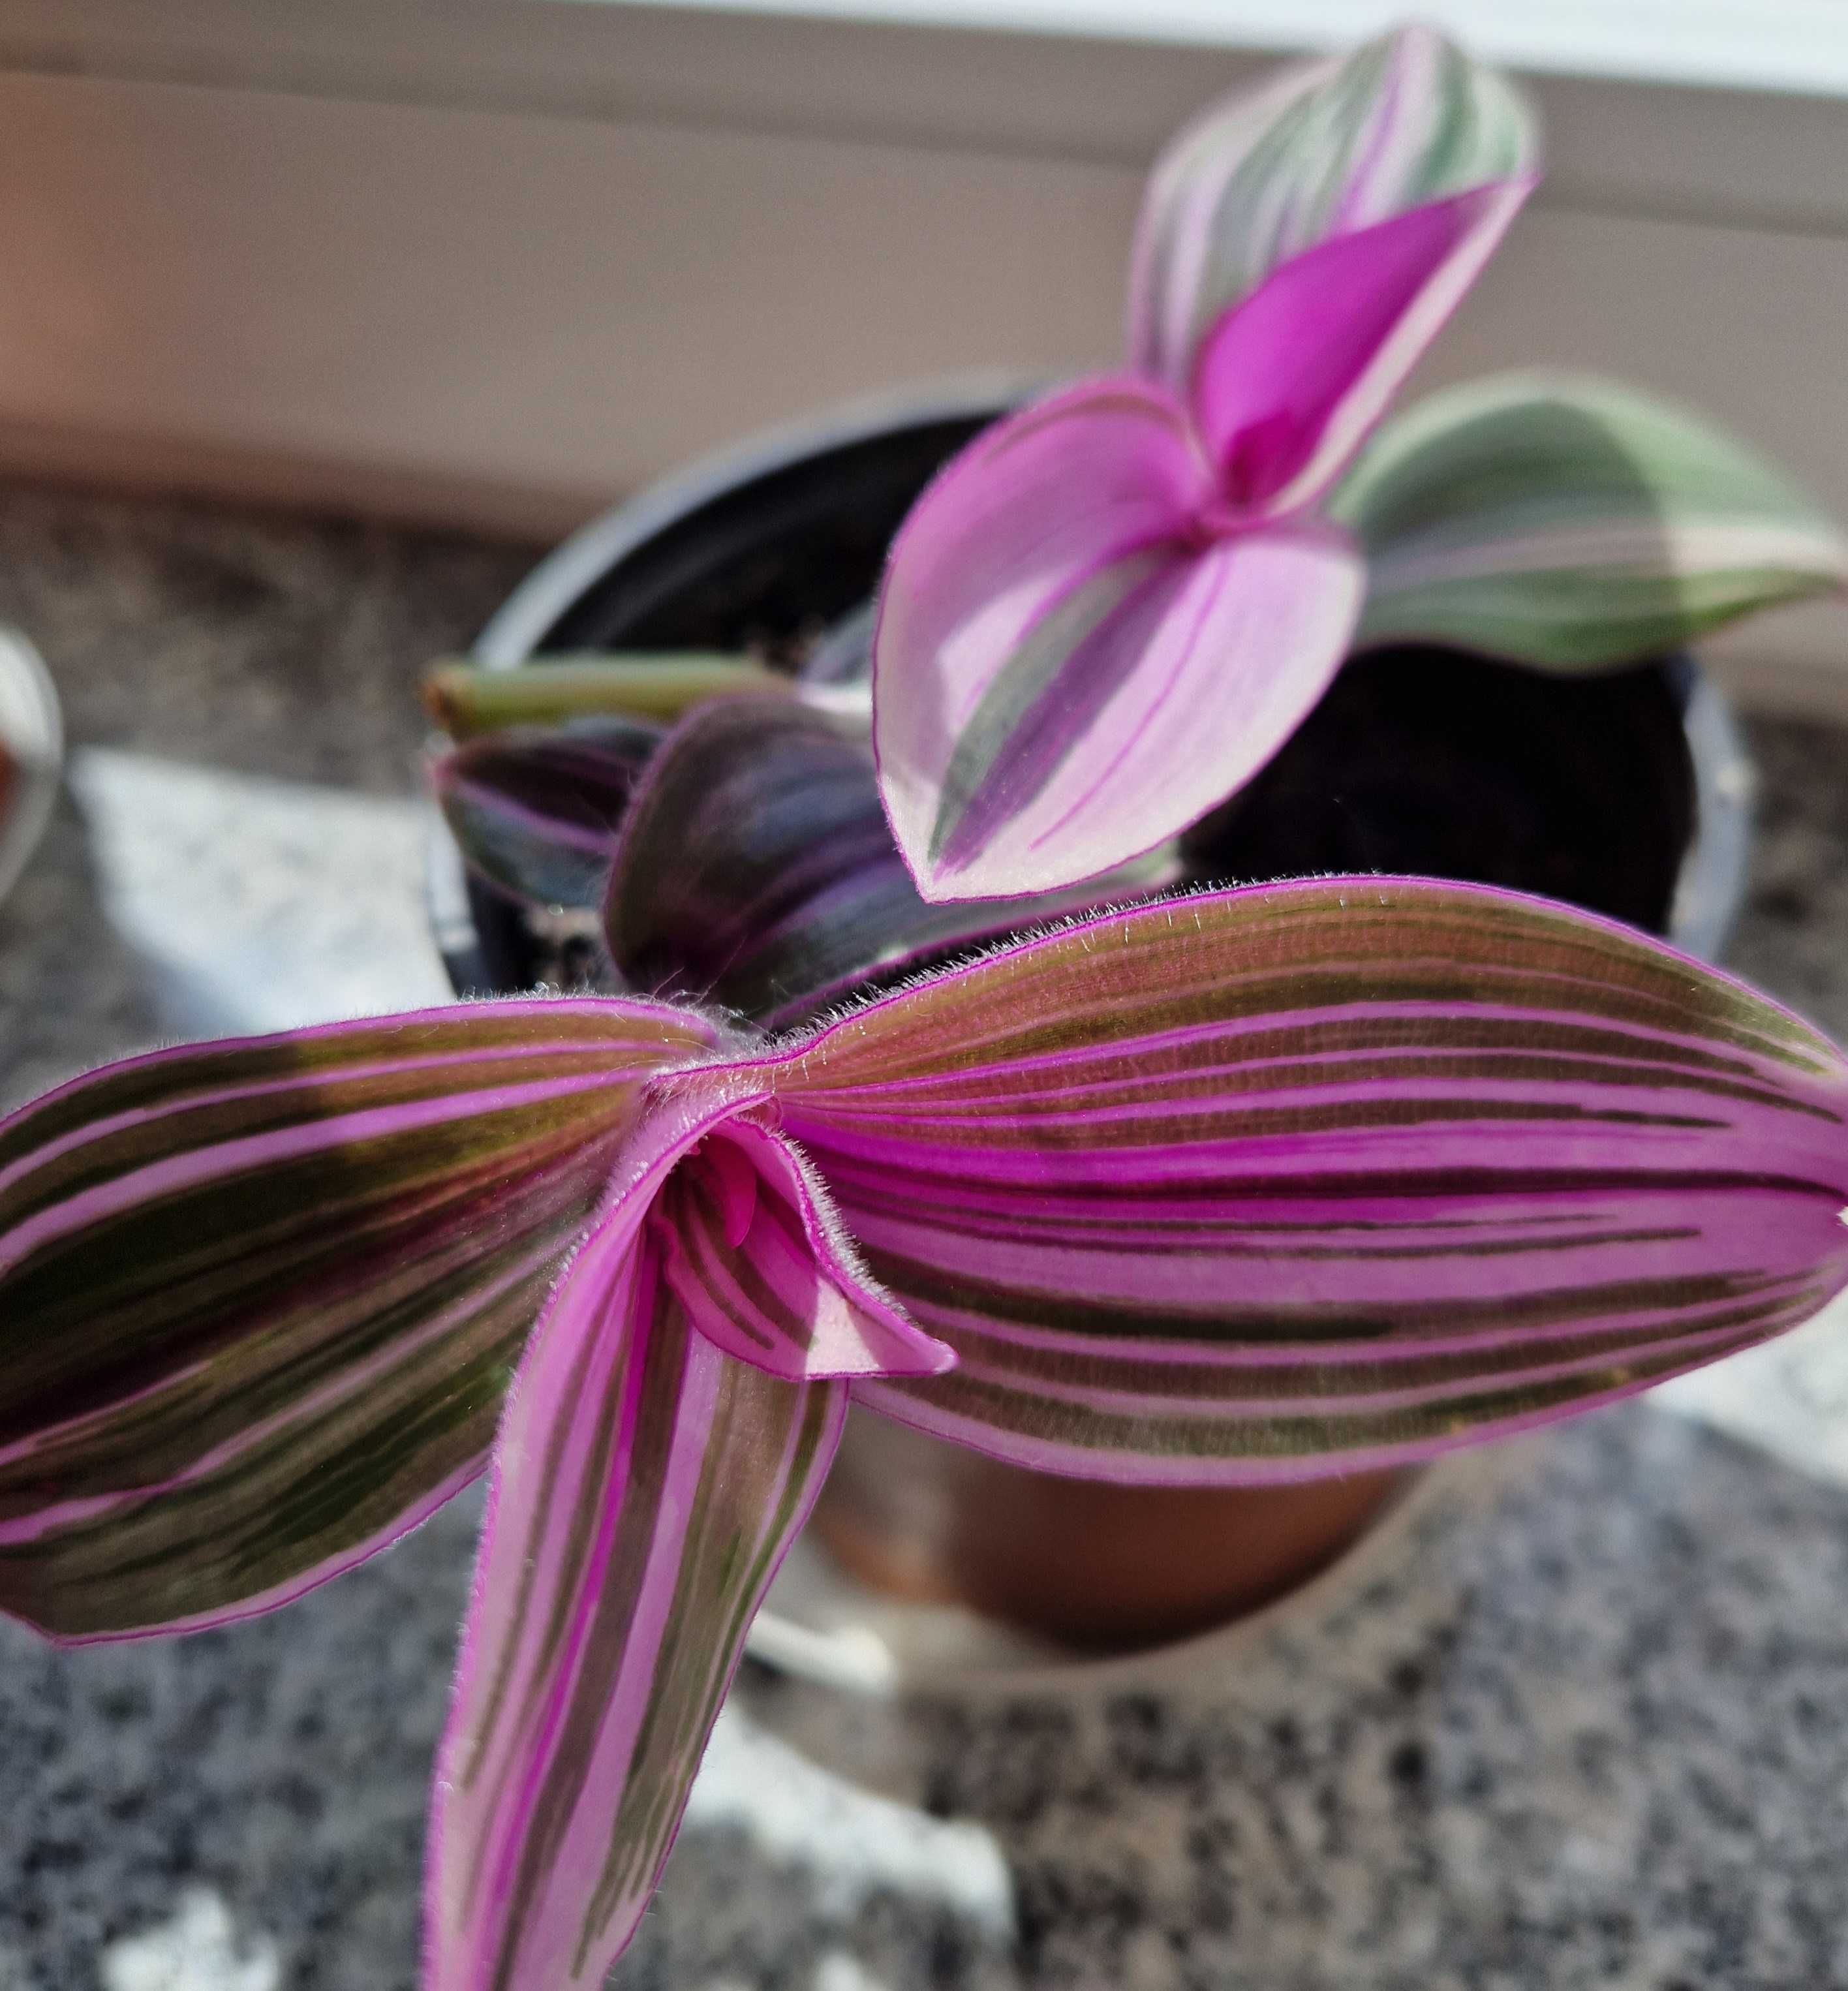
1098 1567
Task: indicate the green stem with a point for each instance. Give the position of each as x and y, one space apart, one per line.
466 699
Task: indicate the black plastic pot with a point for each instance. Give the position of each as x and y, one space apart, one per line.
1628 793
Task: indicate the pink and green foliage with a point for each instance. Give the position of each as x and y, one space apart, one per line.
1234 1188
1113 608
756 870
1569 523
1109 611
1322 149
672 1425
1244 1186
264 1296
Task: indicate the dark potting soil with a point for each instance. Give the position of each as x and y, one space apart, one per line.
1449 765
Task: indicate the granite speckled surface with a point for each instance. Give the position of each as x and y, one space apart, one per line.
1593 1730
261 644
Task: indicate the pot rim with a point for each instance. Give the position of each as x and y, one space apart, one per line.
1709 892
517 627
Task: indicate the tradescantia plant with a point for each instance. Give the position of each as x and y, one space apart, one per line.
1217 1187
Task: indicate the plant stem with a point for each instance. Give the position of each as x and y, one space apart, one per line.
466 699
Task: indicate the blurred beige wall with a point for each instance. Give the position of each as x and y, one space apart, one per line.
510 315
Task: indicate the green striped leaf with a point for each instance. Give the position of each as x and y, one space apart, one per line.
261 1298
647 1484
1569 523
1246 1186
1321 150
1299 1179
751 1247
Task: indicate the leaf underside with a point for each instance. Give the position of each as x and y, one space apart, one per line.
757 872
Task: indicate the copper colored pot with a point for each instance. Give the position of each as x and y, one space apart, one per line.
1099 1567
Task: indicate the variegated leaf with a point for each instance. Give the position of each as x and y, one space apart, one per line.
752 1248
1111 610
1319 150
1287 384
1078 653
1272 1183
1570 523
261 1297
757 871
647 1484
536 813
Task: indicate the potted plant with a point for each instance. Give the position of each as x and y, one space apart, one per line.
1440 761
1198 1190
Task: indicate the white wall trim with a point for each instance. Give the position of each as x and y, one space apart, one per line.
1749 129
1796 45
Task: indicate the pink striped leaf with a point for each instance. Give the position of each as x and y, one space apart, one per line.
1317 151
1287 384
1272 1183
536 813
757 870
1077 655
1573 524
666 1436
1109 612
750 1247
263 1297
